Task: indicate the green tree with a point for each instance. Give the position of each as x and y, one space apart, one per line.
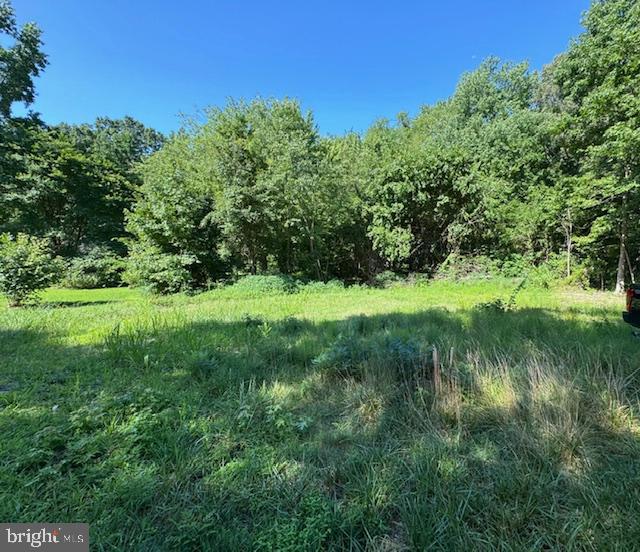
420 197
174 216
279 203
20 62
253 188
70 184
598 80
348 247
26 267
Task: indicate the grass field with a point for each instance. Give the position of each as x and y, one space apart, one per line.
228 421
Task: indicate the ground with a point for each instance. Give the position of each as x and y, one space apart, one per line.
230 421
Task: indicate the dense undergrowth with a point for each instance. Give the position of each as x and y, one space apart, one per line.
362 419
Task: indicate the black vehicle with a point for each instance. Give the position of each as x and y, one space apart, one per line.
632 314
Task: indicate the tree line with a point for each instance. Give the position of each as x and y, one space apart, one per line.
520 167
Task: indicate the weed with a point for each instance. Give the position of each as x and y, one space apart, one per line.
499 305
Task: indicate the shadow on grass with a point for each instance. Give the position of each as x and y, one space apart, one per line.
72 304
293 434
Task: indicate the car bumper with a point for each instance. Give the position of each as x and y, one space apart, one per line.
632 318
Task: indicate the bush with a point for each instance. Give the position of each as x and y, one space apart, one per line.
553 271
346 356
579 278
266 284
419 279
350 355
458 267
500 305
99 268
517 266
158 272
26 267
321 287
386 279
538 274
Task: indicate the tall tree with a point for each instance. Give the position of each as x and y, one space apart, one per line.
20 62
419 195
278 204
71 184
599 78
174 215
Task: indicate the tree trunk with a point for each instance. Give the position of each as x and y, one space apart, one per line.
620 283
629 266
568 231
620 287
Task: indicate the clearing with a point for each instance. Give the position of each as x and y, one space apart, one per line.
312 420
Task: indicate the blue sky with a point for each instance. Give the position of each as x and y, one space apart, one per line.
350 62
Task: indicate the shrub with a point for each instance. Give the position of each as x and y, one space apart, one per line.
158 272
321 287
349 355
26 267
500 305
291 326
345 356
516 266
419 279
579 278
553 271
459 267
386 279
99 268
266 284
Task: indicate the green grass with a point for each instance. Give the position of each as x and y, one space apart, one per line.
228 421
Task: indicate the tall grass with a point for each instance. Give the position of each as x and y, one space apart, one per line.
396 419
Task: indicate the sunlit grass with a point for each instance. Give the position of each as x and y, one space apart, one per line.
312 420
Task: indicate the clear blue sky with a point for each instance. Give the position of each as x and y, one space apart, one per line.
350 62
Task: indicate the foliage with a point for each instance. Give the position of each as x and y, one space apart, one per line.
159 272
516 172
320 287
172 216
597 80
266 284
100 267
26 267
352 355
463 267
418 197
21 62
387 278
70 183
64 186
543 273
288 411
500 305
126 411
250 189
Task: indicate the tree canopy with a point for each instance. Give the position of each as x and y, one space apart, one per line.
522 167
